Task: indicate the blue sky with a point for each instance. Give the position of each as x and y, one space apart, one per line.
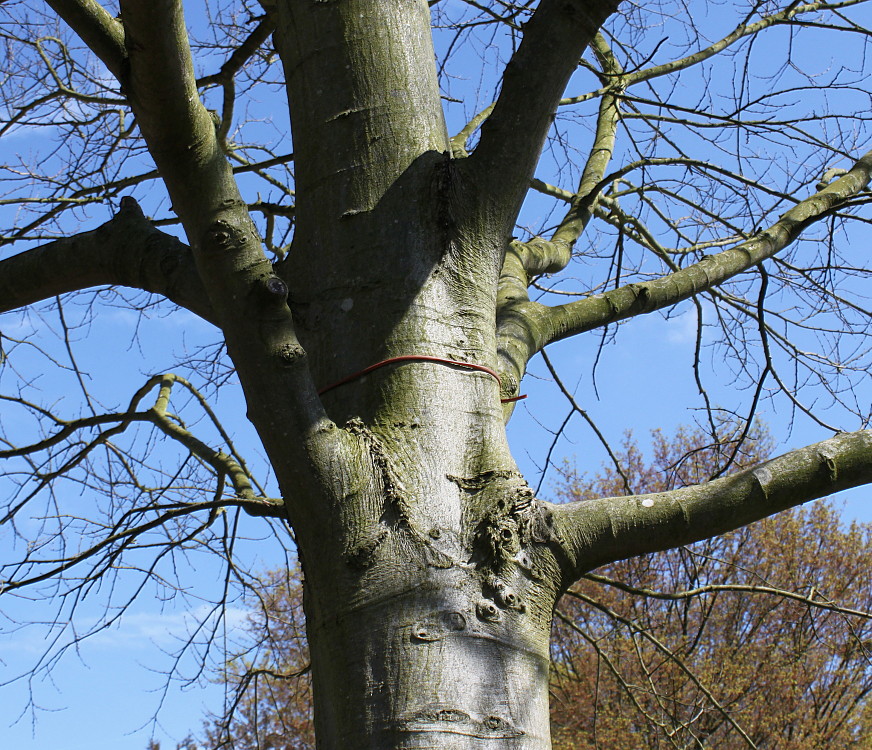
104 694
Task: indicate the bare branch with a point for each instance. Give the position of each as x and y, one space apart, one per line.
715 588
102 33
740 32
242 53
575 407
528 327
229 465
669 654
512 137
127 251
592 180
180 133
595 532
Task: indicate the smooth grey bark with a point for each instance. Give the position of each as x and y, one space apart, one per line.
431 570
126 251
615 528
103 34
534 80
410 647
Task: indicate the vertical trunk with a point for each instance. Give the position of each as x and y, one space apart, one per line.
370 156
430 580
429 590
429 662
429 608
364 101
430 584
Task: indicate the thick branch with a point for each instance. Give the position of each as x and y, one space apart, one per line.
178 130
595 532
126 251
525 260
636 299
512 137
364 101
526 327
249 300
589 186
101 32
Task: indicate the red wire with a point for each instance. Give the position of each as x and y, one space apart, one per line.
420 358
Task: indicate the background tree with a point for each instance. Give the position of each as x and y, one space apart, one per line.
741 636
268 681
376 295
760 636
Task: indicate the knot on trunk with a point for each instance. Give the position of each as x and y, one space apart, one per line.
511 537
513 520
504 595
502 538
225 235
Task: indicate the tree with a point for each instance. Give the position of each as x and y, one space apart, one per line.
269 680
766 657
663 650
736 640
378 307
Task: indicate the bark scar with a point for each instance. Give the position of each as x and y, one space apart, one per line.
455 721
360 547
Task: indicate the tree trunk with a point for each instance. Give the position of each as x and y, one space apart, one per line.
429 592
430 581
427 656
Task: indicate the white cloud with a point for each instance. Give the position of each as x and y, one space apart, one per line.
681 329
155 628
135 630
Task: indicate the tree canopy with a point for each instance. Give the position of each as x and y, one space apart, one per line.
358 225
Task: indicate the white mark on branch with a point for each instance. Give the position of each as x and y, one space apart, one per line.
763 477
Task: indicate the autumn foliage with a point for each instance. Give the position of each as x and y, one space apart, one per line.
740 641
269 689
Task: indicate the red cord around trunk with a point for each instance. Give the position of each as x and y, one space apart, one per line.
420 358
